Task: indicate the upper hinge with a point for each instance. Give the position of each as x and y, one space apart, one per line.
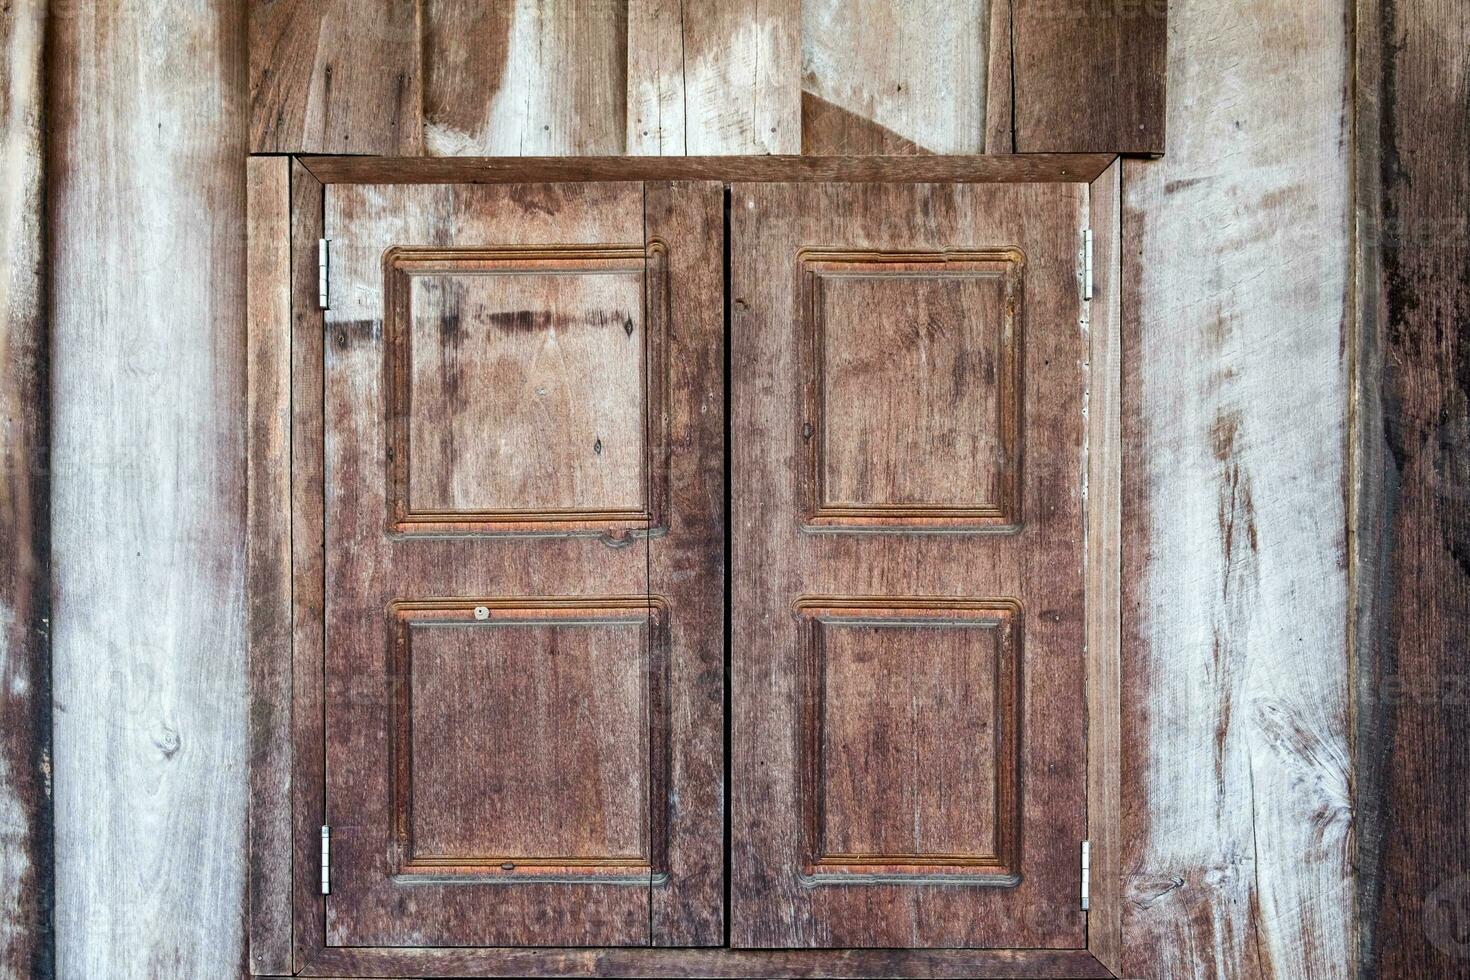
1086 263
326 860
1086 872
321 273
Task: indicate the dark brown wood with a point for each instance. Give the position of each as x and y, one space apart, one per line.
850 964
268 555
1080 168
308 570
686 564
625 717
27 878
381 777
1411 539
836 625
335 76
1089 75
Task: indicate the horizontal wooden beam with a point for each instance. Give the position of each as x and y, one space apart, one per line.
741 963
1048 167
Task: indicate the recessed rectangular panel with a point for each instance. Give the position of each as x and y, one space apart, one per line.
523 742
520 387
913 374
910 738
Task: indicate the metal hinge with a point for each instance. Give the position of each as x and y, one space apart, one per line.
1086 872
1087 263
327 860
321 273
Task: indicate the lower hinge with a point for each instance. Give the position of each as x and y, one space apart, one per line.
326 860
1086 872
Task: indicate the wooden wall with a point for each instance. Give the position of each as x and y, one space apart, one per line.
705 77
1249 459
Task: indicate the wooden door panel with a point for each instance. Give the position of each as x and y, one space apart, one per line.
908 383
522 736
501 667
522 379
937 334
911 737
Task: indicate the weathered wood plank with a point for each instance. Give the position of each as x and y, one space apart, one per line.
147 135
1000 131
655 77
308 561
335 76
879 77
525 77
1235 755
686 564
932 169
1412 518
742 76
1104 530
1090 74
268 555
26 857
935 964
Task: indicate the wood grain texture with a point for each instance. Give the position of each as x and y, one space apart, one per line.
1064 168
879 77
851 964
26 854
655 77
1000 129
1235 753
147 134
268 555
1104 567
686 564
1090 75
938 580
1412 519
308 564
525 77
369 568
335 76
742 76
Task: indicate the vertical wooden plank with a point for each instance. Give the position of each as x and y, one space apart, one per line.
686 565
1090 75
308 579
1412 531
525 77
1104 509
1000 122
146 191
1235 594
878 77
268 555
335 76
742 76
26 881
655 77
